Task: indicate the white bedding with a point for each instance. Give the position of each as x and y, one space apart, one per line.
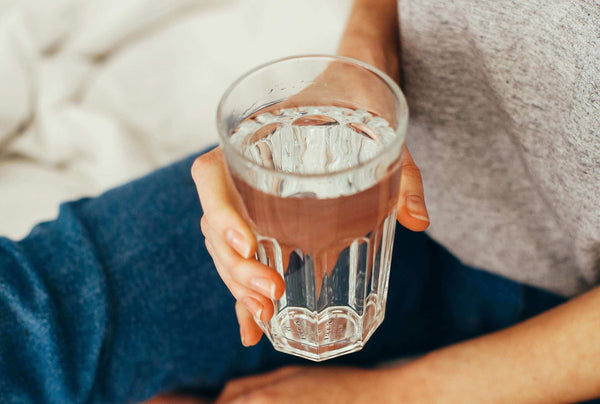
94 93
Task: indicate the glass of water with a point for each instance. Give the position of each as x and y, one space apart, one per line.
314 146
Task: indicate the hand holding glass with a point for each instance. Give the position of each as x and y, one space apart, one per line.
314 145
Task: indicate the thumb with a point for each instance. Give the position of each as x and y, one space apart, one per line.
412 212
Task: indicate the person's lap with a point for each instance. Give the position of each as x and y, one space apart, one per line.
433 300
167 321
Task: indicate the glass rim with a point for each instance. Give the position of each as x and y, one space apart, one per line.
392 85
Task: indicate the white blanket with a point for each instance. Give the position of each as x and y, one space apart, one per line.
94 93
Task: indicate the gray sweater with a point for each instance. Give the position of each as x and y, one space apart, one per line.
505 126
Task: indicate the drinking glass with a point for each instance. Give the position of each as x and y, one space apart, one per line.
314 147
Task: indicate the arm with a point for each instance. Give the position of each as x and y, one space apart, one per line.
554 357
551 358
371 36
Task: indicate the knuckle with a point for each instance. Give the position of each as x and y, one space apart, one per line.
287 370
265 395
225 218
411 170
203 161
220 216
204 226
209 247
290 369
229 388
241 311
218 221
234 261
237 290
246 269
197 166
230 262
408 164
226 278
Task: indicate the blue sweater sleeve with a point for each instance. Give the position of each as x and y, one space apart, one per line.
108 302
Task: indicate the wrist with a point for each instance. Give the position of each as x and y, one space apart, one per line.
365 49
371 35
374 19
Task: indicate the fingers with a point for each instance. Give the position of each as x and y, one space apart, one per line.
239 273
251 305
250 332
412 212
239 387
260 306
249 281
220 204
231 244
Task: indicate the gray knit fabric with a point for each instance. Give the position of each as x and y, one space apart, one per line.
505 126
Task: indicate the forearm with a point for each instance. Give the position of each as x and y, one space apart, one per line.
551 358
371 35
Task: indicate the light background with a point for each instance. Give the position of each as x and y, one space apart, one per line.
95 93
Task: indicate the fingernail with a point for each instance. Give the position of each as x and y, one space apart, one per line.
236 241
416 207
254 306
264 286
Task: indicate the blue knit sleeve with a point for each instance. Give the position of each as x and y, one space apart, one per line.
108 302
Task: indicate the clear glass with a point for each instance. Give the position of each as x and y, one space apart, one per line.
314 146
